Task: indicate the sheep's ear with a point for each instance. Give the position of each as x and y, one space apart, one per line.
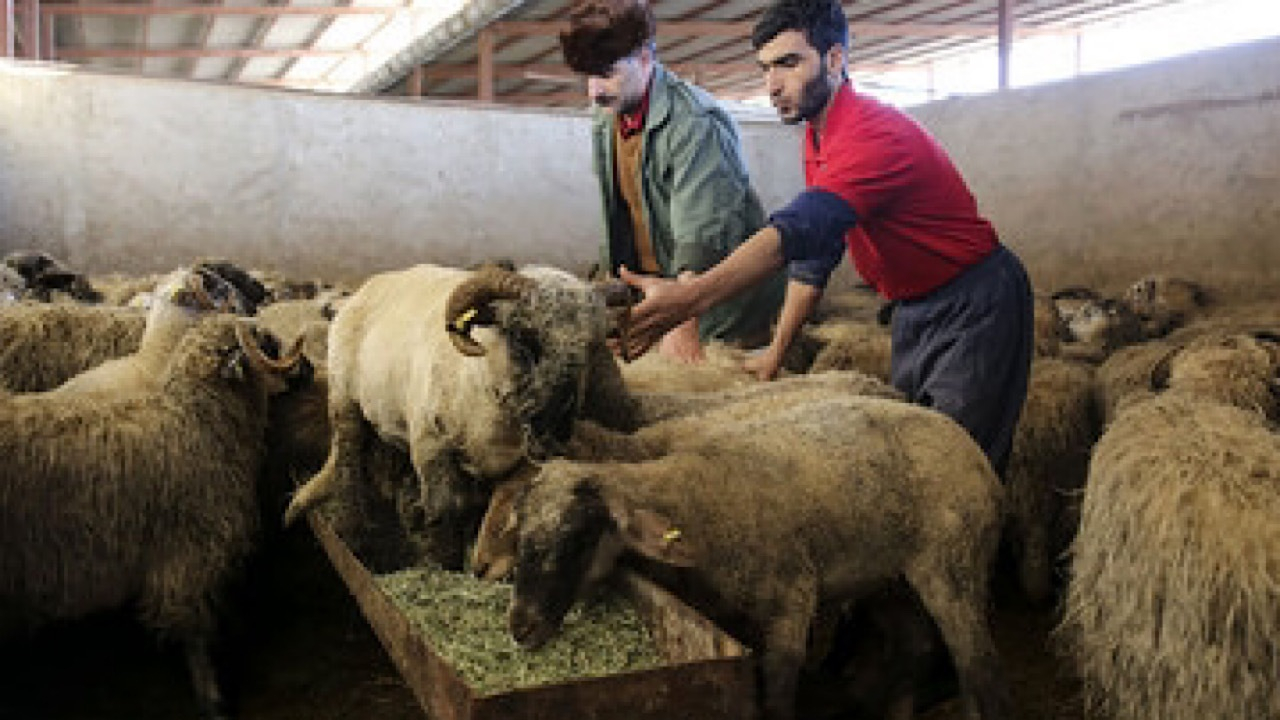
648 532
1160 371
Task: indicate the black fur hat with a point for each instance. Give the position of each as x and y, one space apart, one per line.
602 32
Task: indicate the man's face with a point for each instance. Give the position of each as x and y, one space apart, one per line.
621 89
797 77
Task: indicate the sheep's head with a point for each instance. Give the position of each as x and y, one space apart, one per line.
1158 296
563 545
571 528
1237 369
547 325
1068 300
231 284
43 275
225 350
1106 323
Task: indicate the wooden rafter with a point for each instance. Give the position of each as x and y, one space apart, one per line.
244 10
206 30
260 32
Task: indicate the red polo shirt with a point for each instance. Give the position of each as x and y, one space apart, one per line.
918 224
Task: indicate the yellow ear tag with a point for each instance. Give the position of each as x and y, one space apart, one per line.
463 321
671 535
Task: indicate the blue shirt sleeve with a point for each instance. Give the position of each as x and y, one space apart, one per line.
813 227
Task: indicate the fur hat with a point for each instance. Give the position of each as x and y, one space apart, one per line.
602 32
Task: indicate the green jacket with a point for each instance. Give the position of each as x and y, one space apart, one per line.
699 204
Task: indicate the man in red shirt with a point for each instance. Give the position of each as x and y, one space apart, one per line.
879 186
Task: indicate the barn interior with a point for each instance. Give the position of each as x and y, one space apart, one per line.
329 141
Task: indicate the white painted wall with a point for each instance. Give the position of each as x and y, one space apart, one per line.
1172 166
125 173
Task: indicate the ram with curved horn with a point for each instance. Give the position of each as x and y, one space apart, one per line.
474 373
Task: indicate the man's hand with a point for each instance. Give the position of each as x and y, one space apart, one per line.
666 304
764 365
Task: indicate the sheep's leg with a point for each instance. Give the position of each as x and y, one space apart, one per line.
204 678
343 463
1030 526
960 614
453 504
786 639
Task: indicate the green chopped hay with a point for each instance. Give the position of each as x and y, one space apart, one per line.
464 620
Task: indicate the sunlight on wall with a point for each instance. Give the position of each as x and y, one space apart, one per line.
1133 40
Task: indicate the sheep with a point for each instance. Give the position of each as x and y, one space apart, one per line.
1047 468
857 304
181 300
46 345
122 290
143 497
1126 372
1049 328
851 345
720 369
1164 303
44 276
1069 300
763 517
1099 328
493 553
12 285
306 319
403 361
1171 609
249 292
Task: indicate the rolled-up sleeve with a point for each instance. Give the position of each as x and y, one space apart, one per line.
813 227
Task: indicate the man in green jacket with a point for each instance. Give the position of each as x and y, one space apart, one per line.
677 198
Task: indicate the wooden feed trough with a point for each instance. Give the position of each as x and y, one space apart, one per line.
708 675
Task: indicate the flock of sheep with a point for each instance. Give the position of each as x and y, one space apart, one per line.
476 417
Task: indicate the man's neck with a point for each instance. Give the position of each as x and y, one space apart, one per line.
819 122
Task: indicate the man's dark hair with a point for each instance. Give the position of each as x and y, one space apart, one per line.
822 22
602 32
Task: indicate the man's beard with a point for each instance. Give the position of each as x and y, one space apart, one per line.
813 98
622 103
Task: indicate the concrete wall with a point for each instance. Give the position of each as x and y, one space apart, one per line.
135 174
1171 166
1174 166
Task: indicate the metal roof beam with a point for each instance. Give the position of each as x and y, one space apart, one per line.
707 28
555 72
198 52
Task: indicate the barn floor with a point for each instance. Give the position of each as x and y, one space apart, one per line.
306 653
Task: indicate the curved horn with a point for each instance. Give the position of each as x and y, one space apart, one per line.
194 282
473 296
251 348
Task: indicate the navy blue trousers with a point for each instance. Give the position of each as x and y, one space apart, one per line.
965 350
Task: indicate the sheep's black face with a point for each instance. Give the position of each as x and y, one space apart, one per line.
549 335
559 537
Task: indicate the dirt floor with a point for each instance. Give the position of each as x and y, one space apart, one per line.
306 653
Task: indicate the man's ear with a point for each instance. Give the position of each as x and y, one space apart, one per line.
648 532
835 63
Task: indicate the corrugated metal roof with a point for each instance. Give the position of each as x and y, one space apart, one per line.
431 47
